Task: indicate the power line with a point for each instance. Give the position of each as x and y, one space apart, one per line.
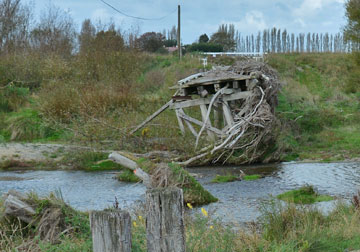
141 18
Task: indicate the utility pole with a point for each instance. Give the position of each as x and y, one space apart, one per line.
178 34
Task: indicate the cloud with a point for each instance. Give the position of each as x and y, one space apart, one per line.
310 7
253 21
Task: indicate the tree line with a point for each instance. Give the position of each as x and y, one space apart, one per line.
55 32
280 41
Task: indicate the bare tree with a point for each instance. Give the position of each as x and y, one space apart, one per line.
258 41
308 42
225 36
284 41
265 41
15 20
55 33
278 41
87 35
292 42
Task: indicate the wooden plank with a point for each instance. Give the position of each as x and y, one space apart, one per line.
206 101
189 78
191 128
227 113
111 231
181 124
197 122
165 227
150 118
208 122
211 81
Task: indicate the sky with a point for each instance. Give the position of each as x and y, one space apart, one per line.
204 16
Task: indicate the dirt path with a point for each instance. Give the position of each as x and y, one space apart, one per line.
33 152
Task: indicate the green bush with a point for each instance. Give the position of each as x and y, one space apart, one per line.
28 125
13 97
204 47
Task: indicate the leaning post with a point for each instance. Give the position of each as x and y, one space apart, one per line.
111 231
165 220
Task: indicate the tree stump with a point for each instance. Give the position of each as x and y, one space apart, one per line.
111 231
165 220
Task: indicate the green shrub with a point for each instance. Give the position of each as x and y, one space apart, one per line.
128 176
13 97
28 125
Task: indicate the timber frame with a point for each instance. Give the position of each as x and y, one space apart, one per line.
216 94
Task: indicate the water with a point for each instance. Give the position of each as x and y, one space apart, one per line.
239 201
82 190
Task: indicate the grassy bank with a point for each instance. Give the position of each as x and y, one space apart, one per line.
283 228
319 106
74 100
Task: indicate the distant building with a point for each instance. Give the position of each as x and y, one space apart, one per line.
171 49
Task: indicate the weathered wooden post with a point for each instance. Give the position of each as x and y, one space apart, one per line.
111 231
165 220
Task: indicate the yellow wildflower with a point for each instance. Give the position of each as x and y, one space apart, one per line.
189 205
140 217
211 227
134 224
204 212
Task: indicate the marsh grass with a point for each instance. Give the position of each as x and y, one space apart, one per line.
282 228
90 161
252 177
319 116
304 195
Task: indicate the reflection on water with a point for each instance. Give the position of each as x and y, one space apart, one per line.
238 201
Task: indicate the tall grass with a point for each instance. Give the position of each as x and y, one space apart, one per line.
281 228
318 113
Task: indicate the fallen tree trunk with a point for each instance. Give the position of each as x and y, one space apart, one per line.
132 165
165 175
15 206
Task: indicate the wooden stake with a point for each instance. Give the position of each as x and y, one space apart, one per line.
111 231
165 220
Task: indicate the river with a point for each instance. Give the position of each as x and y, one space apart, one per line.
239 201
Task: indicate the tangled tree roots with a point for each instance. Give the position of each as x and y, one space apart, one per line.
252 136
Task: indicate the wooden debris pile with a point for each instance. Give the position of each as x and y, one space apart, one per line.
49 218
237 105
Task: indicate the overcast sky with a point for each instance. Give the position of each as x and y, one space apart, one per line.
204 16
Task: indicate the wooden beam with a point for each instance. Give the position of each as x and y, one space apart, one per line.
181 124
150 118
227 113
197 122
206 101
191 128
204 112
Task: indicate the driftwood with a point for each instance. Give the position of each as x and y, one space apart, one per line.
111 231
15 206
130 164
165 220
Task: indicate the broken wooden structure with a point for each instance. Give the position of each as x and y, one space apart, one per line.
217 93
237 107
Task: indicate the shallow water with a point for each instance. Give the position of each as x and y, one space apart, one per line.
239 201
